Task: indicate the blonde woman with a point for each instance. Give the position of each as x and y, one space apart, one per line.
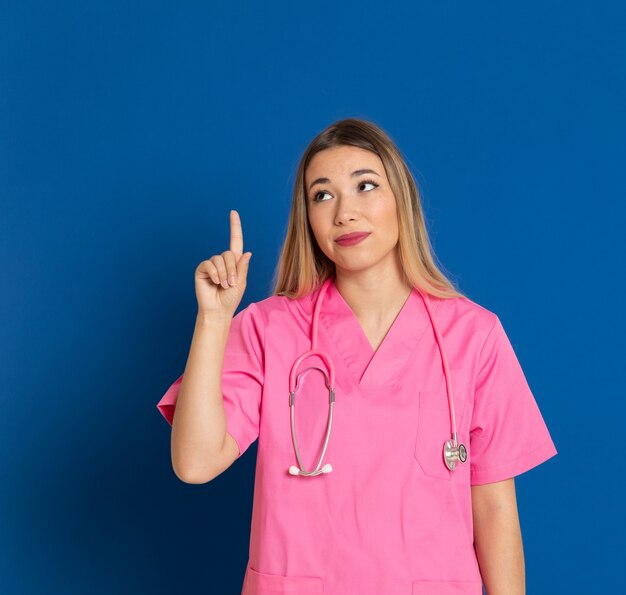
391 412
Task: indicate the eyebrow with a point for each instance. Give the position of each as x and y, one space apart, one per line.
354 174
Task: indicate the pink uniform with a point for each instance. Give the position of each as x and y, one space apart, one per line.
391 517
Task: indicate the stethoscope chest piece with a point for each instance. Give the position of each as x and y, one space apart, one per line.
452 454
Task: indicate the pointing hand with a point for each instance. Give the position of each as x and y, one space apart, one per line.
221 280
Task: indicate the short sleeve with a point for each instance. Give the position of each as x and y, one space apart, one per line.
508 435
242 379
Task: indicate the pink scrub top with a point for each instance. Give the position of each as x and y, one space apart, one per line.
390 517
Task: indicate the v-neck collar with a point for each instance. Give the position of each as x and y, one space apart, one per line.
367 367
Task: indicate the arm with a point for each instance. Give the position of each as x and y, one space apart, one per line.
497 538
199 424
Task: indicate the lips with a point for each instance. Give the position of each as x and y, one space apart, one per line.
351 239
352 236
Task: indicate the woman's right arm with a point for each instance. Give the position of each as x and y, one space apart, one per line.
199 425
201 447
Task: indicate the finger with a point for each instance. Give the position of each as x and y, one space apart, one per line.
212 272
242 267
231 266
236 234
207 269
218 261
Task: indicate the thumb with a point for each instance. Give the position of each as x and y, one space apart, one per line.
242 266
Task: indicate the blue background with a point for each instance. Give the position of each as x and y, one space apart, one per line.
128 130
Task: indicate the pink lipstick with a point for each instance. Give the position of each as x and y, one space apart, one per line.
351 238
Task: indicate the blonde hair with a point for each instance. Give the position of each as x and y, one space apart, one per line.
302 266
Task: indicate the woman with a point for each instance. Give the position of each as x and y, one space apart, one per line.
381 511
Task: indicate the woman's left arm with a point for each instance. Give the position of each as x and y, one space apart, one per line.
498 538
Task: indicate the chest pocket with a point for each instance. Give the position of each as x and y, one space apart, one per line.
433 429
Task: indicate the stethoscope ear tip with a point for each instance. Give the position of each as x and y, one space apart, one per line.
327 468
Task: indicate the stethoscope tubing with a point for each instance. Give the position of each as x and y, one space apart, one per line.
452 451
444 361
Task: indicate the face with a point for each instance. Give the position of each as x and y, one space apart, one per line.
343 198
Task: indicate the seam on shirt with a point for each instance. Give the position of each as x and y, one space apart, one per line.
514 468
262 317
480 353
263 337
482 348
480 469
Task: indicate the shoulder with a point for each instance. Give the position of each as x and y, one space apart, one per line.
462 313
276 308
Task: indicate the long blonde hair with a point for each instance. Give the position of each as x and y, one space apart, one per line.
302 266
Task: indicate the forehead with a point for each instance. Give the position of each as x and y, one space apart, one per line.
341 161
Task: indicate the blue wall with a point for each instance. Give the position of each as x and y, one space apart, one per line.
128 130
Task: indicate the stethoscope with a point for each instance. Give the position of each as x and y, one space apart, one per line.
452 452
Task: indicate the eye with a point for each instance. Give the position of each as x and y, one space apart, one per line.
322 192
315 199
370 182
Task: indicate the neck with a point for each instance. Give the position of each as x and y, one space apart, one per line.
373 295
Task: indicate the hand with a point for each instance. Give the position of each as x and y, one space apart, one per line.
216 295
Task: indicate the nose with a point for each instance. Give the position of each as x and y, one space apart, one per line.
346 210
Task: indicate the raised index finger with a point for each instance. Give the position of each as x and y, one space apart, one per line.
236 235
